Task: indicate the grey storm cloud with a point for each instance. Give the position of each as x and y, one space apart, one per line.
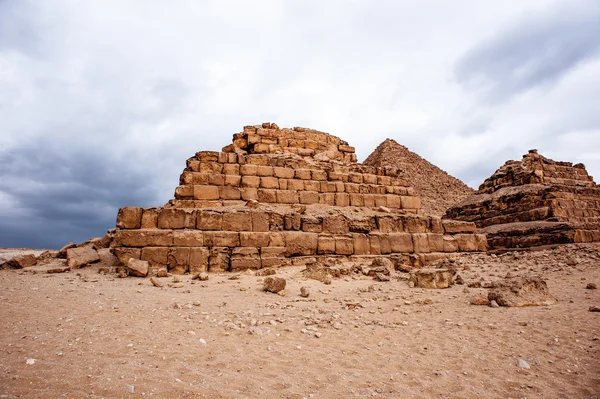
537 50
102 101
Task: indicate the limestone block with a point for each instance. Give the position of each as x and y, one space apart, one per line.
318 175
421 243
357 200
261 148
435 225
380 200
232 180
410 202
232 169
436 242
155 256
415 224
193 164
346 148
237 221
303 174
287 197
207 156
481 240
340 186
335 224
245 258
354 177
248 170
177 218
260 222
137 268
182 192
432 278
216 179
129 217
124 254
393 201
387 224
450 243
466 242
254 239
342 199
206 192
79 257
178 260
312 225
276 239
312 185
375 245
219 259
221 239
269 182
361 244
328 187
268 196
327 198
210 167
457 226
300 244
249 194
384 180
230 193
344 245
369 200
283 173
143 238
264 171
187 238
292 221
401 242
309 197
150 218
325 245
209 221
276 222
295 184
384 243
369 179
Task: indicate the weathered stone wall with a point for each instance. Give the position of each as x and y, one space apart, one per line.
559 194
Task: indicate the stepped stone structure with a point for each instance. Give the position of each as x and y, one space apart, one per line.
279 196
533 202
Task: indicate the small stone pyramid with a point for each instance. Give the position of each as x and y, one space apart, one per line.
534 202
280 196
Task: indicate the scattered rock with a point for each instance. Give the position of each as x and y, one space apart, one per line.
459 280
162 273
594 309
521 291
381 277
155 282
62 253
494 304
22 261
30 362
274 284
202 276
265 272
304 291
432 278
79 257
522 364
481 300
317 271
591 286
137 267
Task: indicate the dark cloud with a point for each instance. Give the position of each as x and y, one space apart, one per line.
537 50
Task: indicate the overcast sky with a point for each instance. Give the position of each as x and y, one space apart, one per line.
102 101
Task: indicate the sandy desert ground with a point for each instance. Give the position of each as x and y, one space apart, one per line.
83 334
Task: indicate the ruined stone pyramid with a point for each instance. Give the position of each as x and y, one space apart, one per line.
533 202
437 189
276 196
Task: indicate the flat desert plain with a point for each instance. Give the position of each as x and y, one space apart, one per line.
82 334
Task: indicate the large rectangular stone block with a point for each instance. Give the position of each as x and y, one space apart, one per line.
457 226
401 243
250 181
327 198
361 244
318 175
466 242
450 244
325 245
230 193
260 221
421 243
283 173
124 254
233 180
183 192
188 238
245 258
300 244
231 169
249 194
219 259
267 196
269 182
221 239
436 242
206 192
344 245
150 218
295 184
254 239
177 218
155 256
237 221
335 224
410 202
178 260
287 197
309 197
342 199
303 174
209 221
129 217
357 200
143 238
264 171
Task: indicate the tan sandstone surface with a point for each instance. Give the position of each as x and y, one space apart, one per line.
84 334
